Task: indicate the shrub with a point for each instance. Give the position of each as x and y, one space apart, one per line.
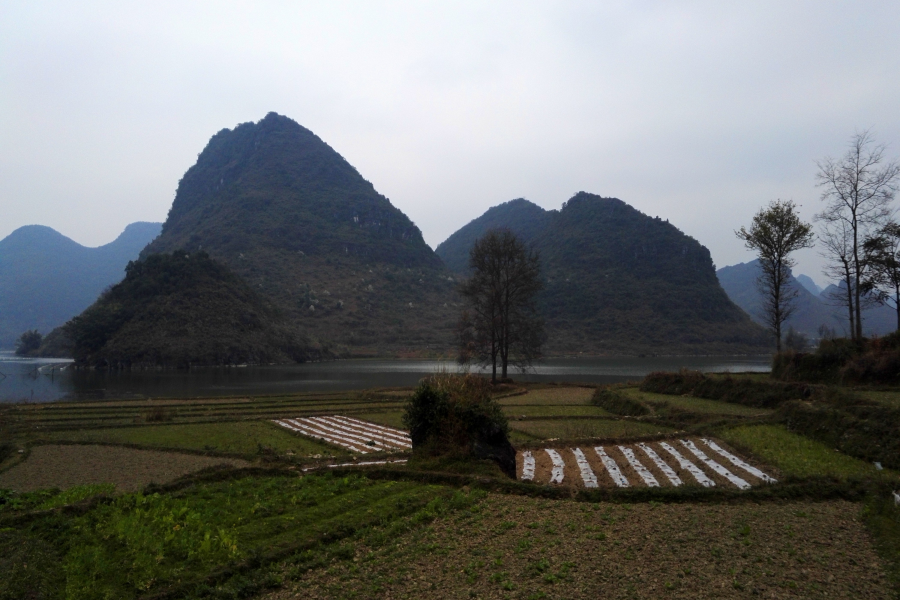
758 394
618 403
456 415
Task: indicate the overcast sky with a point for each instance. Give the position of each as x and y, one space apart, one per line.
697 112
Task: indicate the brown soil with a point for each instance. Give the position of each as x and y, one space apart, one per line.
65 466
516 547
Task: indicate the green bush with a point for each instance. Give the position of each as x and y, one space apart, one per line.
446 412
618 403
456 416
866 431
758 394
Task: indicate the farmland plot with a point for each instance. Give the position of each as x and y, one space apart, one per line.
352 434
672 463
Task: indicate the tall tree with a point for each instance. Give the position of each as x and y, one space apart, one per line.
857 190
501 323
836 246
775 233
883 253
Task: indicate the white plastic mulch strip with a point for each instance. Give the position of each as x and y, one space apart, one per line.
661 464
365 436
399 435
738 462
527 466
307 431
645 474
323 423
740 483
559 467
611 466
311 429
587 474
688 466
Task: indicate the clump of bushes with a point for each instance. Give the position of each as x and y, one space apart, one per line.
456 416
843 361
618 402
737 390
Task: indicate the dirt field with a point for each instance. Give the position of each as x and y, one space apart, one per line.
514 547
65 466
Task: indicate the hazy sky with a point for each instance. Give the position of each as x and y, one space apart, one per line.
698 112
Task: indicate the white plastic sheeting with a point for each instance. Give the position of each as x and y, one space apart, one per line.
362 463
587 474
670 474
642 471
352 434
527 466
618 478
740 483
738 462
688 466
559 467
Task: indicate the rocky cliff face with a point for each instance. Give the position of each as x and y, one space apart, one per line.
617 280
304 229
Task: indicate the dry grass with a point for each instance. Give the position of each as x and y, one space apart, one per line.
554 395
65 466
514 547
586 428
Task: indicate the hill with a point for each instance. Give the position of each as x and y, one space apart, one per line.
305 230
619 281
180 310
47 278
812 310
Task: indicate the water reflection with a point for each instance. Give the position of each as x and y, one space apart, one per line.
47 380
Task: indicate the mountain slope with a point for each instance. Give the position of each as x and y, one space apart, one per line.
297 222
180 310
46 278
617 280
812 311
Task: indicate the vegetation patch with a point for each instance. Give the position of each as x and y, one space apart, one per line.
236 437
794 454
588 428
66 466
618 402
456 415
738 390
518 547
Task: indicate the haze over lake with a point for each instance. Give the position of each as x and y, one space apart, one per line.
49 380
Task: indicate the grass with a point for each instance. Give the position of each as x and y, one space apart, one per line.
586 428
794 454
551 396
887 398
237 437
554 410
698 405
146 543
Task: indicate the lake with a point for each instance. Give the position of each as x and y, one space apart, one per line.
49 380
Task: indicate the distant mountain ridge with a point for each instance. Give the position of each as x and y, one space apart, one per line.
617 280
811 310
47 278
289 215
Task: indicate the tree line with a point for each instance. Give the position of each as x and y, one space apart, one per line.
858 236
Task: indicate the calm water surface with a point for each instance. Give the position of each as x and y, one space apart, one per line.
48 380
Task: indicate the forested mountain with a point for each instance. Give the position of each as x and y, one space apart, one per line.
301 226
617 280
46 278
811 286
179 310
811 311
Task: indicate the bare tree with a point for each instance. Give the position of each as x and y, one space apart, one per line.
836 245
775 233
858 189
501 323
